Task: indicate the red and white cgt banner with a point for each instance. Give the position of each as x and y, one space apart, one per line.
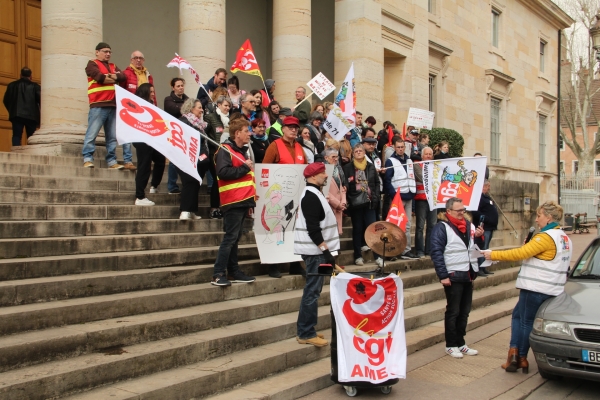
140 121
369 318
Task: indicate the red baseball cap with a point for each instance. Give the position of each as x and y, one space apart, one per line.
291 121
314 169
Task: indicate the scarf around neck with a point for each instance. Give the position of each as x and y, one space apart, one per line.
551 225
360 165
224 118
461 224
195 121
140 74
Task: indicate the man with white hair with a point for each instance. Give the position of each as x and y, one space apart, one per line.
302 111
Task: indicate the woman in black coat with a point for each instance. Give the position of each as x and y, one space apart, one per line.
362 197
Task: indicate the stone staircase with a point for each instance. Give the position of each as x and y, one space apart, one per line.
100 299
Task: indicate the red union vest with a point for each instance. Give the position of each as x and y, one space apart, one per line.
98 92
284 155
236 190
420 191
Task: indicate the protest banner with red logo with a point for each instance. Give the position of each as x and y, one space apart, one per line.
140 121
369 314
397 214
245 60
454 177
279 187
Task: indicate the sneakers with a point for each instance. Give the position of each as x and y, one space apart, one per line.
220 280
185 215
454 352
379 262
365 248
359 261
316 341
175 191
116 166
153 190
216 214
409 256
240 277
129 166
143 202
88 164
467 351
421 255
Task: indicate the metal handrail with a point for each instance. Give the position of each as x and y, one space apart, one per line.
505 217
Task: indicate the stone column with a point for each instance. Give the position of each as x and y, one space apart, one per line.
70 32
358 40
202 38
292 65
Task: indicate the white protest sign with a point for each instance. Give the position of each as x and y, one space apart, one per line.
420 118
342 117
140 121
369 316
454 177
321 86
278 187
336 123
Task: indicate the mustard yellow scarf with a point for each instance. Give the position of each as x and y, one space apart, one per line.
141 75
360 165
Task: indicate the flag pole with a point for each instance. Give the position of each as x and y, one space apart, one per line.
221 146
265 86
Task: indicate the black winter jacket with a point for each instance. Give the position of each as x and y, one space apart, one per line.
349 175
172 104
487 208
210 87
22 100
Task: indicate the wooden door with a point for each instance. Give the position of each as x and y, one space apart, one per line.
20 46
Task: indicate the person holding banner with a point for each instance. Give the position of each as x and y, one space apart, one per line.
422 212
400 174
315 237
452 241
237 191
220 79
363 199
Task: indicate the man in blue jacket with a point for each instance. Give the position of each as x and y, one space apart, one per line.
400 174
220 79
452 239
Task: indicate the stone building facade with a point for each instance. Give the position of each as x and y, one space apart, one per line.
489 69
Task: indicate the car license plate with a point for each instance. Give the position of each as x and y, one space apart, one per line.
591 356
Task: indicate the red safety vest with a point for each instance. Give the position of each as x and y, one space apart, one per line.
420 191
284 154
236 190
98 93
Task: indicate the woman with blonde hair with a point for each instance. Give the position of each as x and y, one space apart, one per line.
345 152
327 106
546 260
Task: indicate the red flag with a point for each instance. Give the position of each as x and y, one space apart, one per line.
390 135
397 215
404 131
245 61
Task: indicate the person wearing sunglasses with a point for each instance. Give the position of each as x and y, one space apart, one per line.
452 240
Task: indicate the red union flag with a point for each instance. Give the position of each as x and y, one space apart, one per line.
180 63
245 60
397 214
369 316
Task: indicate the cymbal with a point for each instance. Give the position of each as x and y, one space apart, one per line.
381 232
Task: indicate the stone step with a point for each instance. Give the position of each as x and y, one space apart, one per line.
71 228
49 197
289 384
130 361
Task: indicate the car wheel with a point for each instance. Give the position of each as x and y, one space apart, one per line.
550 377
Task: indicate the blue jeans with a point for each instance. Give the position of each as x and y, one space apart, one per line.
522 319
487 238
97 118
309 305
227 257
127 157
424 216
172 177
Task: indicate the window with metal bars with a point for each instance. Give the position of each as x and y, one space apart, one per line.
432 93
542 142
495 131
495 27
542 57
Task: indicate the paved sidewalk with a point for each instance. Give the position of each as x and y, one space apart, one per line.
433 375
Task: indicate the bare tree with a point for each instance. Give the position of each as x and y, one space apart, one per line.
579 90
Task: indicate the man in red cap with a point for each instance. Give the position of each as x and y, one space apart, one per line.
315 238
286 150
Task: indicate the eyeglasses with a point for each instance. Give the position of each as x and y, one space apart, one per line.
138 58
460 211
